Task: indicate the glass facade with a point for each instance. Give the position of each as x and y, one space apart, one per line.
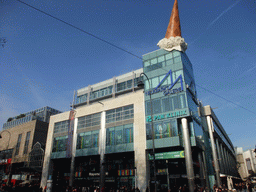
88 139
26 143
89 121
119 87
60 144
42 114
119 135
223 137
61 126
162 129
17 148
166 104
119 114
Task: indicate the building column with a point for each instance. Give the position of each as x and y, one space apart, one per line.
219 156
188 155
226 157
47 169
102 149
206 170
223 159
73 154
214 152
202 170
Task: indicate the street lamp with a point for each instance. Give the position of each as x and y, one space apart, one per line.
141 85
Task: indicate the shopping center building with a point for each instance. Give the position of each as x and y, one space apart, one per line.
122 134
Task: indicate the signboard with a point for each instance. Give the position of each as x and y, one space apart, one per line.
167 155
5 161
167 90
168 115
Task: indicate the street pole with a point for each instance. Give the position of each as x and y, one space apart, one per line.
141 84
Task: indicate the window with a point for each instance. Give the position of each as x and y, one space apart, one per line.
60 144
162 129
26 143
119 135
18 144
89 121
61 126
119 114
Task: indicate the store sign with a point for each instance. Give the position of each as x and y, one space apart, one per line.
96 174
5 161
166 116
167 90
167 155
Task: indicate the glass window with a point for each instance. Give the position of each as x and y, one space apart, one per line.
146 63
121 86
169 62
119 114
110 89
167 104
177 59
148 108
162 129
26 143
129 84
148 131
165 81
156 106
153 61
89 120
110 137
155 82
17 148
128 133
119 135
176 54
182 101
60 144
160 59
175 102
168 56
95 138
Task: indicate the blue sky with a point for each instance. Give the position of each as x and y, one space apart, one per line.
44 60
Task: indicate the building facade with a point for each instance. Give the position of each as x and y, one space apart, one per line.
222 150
19 136
119 134
246 163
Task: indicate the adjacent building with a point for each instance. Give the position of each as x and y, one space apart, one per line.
120 133
246 163
18 137
222 149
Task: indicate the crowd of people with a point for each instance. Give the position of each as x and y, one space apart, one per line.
238 187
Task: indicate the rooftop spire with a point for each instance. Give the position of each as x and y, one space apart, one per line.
173 28
173 39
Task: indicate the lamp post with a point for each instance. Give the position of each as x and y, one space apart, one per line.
141 85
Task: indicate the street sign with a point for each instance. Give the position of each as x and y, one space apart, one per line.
167 155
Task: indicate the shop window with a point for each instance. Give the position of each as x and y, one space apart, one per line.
163 129
119 135
60 144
